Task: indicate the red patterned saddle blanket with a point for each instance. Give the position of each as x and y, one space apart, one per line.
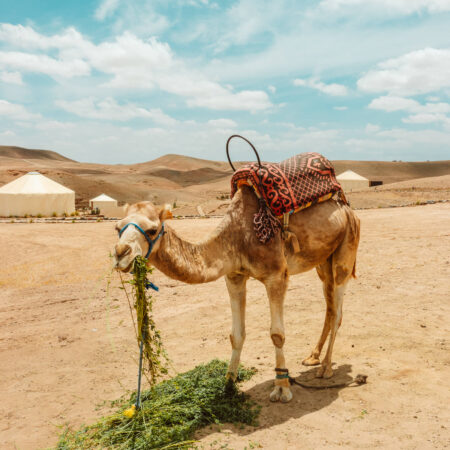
290 186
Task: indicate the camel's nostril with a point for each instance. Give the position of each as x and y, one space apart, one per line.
122 250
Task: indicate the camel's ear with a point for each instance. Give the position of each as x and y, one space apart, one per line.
126 207
165 213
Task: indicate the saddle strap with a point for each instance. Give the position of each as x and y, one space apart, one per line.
288 236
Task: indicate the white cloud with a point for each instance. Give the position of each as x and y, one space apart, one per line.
25 37
272 89
53 125
403 137
242 22
222 123
417 72
39 63
426 118
392 103
388 6
11 77
141 17
102 141
106 9
330 89
223 99
138 64
7 134
109 109
16 112
340 108
371 128
131 62
427 113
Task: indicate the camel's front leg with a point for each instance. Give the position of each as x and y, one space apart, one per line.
276 289
236 285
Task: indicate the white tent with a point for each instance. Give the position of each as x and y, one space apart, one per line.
35 194
107 206
101 201
350 181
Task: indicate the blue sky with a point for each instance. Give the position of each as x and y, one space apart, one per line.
118 81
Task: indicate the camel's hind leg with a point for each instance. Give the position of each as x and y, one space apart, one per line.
335 298
324 272
335 273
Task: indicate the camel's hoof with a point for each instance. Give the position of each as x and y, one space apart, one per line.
286 395
324 372
230 376
281 394
275 394
311 361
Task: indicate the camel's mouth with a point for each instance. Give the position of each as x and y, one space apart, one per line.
124 269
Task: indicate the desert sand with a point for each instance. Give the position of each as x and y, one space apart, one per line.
67 345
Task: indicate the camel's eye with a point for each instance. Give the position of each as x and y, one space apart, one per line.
151 232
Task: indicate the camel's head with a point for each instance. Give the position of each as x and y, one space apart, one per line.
139 232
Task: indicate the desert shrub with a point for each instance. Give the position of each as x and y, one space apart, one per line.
54 214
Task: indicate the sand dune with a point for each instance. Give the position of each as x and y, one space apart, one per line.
442 182
25 153
184 180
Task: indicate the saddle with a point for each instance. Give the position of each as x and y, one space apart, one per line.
286 188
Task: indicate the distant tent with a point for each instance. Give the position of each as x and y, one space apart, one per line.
107 206
35 194
350 181
101 201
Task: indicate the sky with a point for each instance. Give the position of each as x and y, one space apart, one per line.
125 81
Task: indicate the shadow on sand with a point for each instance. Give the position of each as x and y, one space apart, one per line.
305 401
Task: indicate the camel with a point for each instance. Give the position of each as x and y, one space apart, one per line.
328 234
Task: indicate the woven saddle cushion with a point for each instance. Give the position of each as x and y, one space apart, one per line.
293 184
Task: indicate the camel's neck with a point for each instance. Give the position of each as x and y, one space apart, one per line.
195 263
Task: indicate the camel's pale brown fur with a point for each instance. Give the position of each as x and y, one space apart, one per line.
328 234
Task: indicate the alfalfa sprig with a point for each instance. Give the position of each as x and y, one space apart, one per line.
154 354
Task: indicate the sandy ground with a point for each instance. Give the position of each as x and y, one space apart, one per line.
67 344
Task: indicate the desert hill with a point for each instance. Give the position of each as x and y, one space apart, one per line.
184 163
179 179
394 171
25 153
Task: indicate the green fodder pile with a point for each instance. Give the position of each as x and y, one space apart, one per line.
171 412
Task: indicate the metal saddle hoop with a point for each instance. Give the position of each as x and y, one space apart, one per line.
248 142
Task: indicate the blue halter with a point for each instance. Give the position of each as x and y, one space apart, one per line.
151 242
